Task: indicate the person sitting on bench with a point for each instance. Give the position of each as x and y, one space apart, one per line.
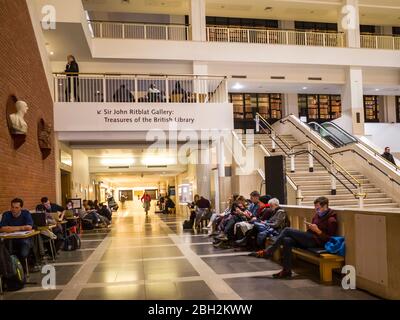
18 219
169 204
319 231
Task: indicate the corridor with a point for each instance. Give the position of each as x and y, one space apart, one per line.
150 258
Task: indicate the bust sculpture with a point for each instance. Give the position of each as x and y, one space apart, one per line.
44 135
18 123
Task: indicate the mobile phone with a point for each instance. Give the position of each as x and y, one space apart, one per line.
306 222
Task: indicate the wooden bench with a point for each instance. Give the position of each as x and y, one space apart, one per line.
326 261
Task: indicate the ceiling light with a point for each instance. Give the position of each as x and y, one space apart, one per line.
117 161
377 89
52 53
304 88
157 161
237 86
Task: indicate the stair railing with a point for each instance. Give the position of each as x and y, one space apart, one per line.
332 167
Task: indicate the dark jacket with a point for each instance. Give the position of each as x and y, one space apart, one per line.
203 203
72 67
389 157
327 224
53 208
279 219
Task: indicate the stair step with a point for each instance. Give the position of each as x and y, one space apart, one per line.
327 186
342 191
353 202
348 196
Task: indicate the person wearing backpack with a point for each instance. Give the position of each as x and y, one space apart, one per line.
18 219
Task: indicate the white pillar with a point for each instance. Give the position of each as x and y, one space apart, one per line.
352 119
390 109
198 19
58 169
291 103
203 173
349 23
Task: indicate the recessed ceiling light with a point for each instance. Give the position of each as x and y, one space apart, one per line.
377 89
237 86
52 53
305 88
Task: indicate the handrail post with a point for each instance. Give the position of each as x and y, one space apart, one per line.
333 180
136 90
104 89
257 123
167 89
267 36
123 31
144 31
166 32
292 164
273 142
229 35
310 158
248 37
361 197
55 88
101 30
299 196
72 87
208 33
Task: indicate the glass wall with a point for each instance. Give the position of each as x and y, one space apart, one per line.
319 107
247 105
371 108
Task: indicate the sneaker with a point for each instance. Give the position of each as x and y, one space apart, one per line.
260 254
283 274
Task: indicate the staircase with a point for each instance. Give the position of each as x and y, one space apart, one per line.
318 183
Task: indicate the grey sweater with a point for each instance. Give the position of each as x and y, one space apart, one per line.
279 219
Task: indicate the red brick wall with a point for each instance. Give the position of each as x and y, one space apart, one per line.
23 173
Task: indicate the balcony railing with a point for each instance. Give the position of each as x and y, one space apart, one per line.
131 88
120 30
271 36
380 42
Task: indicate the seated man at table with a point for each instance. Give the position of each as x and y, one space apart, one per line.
46 206
18 219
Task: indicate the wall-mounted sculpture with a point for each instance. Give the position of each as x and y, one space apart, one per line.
44 138
16 111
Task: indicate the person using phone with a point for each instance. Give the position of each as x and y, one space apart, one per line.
319 231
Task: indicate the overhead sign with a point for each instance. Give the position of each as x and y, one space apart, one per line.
142 116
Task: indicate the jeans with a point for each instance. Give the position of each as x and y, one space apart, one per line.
22 248
290 238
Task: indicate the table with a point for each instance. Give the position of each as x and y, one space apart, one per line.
24 236
51 241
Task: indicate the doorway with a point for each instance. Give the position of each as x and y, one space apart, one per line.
65 187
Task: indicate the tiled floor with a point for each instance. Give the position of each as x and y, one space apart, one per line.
153 258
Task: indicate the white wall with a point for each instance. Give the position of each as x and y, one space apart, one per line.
239 52
80 174
383 135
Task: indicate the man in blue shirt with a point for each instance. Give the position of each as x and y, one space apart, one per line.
18 219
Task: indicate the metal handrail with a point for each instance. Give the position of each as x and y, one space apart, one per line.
342 151
138 74
344 132
339 142
357 140
327 158
141 23
287 144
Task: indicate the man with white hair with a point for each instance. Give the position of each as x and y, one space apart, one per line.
272 227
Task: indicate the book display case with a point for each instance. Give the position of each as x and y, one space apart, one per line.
319 107
247 105
371 109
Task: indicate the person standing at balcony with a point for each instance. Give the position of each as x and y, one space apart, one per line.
388 156
153 94
123 95
178 90
72 70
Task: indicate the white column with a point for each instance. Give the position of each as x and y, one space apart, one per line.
58 169
390 109
203 173
197 19
352 118
349 23
291 104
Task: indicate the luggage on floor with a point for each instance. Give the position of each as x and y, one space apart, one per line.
72 242
188 224
87 224
11 270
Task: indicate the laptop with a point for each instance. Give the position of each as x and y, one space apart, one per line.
39 219
55 216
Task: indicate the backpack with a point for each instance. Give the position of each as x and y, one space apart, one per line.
87 224
188 224
72 242
11 269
